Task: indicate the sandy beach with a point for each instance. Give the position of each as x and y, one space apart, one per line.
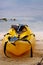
25 59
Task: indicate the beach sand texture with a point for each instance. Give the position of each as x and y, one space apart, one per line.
24 59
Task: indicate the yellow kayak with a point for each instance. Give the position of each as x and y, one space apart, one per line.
18 40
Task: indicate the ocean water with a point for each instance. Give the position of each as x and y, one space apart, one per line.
34 24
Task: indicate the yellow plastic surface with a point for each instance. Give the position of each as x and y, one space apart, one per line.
20 46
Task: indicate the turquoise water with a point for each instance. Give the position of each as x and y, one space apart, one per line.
35 25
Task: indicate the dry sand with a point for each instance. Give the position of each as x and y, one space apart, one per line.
25 59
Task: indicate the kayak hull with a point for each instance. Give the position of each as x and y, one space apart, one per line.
20 46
